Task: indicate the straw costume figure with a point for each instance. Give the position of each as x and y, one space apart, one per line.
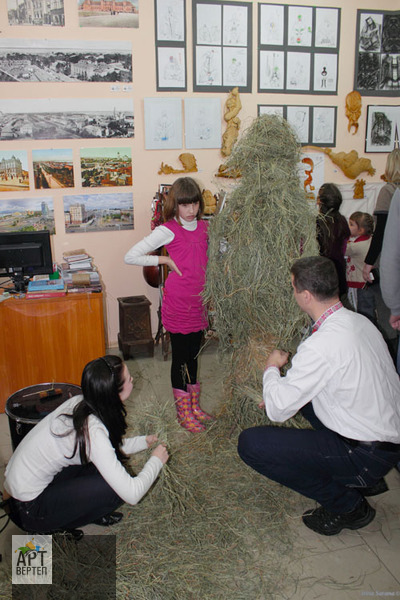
265 226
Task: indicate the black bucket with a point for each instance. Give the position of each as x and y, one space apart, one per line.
26 407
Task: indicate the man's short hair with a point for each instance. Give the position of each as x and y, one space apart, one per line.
317 275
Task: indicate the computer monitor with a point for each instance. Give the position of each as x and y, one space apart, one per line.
23 254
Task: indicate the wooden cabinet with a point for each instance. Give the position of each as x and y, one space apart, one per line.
48 340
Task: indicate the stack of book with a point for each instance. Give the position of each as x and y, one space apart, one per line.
46 288
79 273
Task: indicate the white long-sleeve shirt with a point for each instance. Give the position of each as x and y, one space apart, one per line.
345 369
43 453
160 236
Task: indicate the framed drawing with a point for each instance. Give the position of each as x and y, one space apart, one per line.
222 42
298 49
170 35
383 128
314 125
377 53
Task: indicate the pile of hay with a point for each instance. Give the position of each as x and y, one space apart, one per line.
265 226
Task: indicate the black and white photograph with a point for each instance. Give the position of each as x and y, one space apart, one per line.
377 71
26 12
119 13
87 213
69 118
29 60
383 127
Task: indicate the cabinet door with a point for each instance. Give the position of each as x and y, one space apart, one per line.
48 340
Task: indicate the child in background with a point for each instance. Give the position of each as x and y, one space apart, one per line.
361 227
332 230
184 316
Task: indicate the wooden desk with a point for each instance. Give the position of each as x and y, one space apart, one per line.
48 340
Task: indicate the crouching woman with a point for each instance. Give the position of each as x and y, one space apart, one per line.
69 469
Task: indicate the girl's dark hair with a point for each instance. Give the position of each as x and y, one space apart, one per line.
102 382
330 199
184 190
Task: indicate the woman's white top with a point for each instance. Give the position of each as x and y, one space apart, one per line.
43 453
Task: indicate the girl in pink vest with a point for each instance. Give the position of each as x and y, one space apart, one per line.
184 316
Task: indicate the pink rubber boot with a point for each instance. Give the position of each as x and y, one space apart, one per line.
201 415
184 412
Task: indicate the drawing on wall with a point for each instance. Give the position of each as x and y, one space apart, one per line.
298 71
208 66
314 125
171 67
106 167
299 118
64 61
119 13
70 118
270 110
377 71
325 72
326 27
222 55
53 168
163 123
311 170
14 175
26 12
271 24
294 55
209 24
383 126
170 20
272 69
324 125
87 213
234 25
202 123
234 67
32 214
300 25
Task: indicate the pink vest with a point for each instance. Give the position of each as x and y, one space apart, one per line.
182 309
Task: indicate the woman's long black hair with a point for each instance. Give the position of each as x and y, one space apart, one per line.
102 382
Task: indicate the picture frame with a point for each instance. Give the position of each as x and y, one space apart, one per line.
383 128
170 45
222 45
298 49
314 125
377 56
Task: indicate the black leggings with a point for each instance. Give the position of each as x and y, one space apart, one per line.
185 348
77 496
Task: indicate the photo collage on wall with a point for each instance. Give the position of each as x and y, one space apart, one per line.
222 42
298 49
314 125
62 61
377 69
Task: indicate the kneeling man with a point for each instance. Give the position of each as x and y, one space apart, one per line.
344 381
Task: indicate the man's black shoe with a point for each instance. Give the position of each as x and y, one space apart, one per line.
326 523
110 519
374 490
